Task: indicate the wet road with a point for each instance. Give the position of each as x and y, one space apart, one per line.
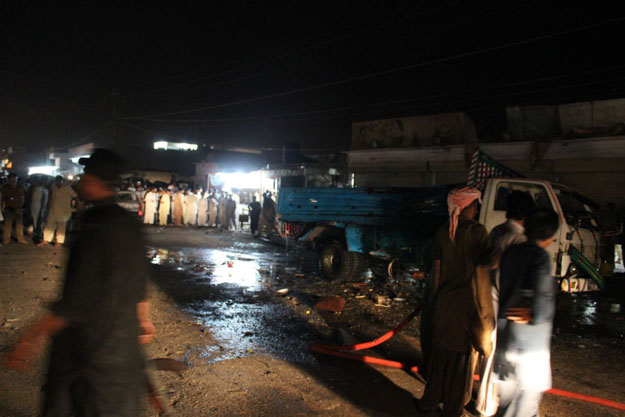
230 283
234 292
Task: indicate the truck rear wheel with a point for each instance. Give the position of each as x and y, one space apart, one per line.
336 262
359 265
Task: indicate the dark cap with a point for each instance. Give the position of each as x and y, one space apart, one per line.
102 163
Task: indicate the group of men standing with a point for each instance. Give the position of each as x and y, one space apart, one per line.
177 206
488 309
48 210
189 207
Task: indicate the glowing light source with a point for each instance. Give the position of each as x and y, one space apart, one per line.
45 169
175 146
76 158
240 179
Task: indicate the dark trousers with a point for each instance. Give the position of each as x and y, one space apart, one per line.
450 379
516 402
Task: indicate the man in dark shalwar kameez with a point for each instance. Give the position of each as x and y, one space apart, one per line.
96 364
527 308
462 313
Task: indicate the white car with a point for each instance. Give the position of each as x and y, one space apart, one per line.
130 201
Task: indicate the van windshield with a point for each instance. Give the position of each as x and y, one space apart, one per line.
578 210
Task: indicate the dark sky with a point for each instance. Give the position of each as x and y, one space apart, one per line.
268 73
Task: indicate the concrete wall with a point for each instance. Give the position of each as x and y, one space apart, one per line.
594 167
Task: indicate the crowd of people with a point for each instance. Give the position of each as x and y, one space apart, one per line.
177 206
42 209
38 208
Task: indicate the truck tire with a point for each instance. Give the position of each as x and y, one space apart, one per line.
335 261
360 262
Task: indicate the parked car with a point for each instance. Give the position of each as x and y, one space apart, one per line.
130 201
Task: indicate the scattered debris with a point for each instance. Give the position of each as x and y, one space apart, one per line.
383 300
332 303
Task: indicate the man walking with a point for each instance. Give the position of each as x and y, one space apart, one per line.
231 208
59 212
460 246
527 308
518 205
13 209
96 364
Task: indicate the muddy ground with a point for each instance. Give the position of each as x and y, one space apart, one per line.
217 307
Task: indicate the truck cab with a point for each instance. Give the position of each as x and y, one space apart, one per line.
576 241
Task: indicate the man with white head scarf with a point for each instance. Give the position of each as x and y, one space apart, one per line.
460 312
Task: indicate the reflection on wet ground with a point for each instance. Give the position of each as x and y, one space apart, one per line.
234 296
592 314
233 291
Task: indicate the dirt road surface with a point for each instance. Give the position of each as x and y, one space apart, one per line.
218 307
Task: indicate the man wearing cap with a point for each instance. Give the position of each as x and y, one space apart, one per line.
96 364
459 247
13 209
59 212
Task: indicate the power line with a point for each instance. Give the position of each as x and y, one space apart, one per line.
310 47
350 51
385 72
225 122
278 48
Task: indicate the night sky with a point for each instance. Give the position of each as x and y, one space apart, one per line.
268 73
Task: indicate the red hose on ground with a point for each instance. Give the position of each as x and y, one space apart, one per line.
586 398
373 343
342 352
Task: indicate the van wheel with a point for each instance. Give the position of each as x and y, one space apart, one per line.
336 262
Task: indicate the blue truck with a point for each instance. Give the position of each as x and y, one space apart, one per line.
390 229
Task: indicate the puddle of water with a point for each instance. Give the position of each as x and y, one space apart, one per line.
596 314
239 310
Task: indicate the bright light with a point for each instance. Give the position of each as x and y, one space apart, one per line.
70 177
45 169
76 158
160 145
175 146
240 180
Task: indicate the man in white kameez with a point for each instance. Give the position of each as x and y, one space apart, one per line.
164 207
149 202
202 210
59 212
212 210
190 208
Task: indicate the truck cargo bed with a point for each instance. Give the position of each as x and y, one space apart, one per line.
366 206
